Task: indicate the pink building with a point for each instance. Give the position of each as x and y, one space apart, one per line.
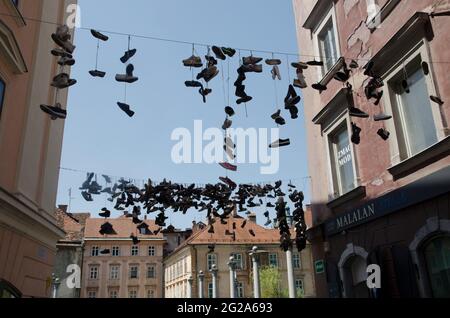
383 199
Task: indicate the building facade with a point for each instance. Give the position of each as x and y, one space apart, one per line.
30 147
115 267
377 201
203 250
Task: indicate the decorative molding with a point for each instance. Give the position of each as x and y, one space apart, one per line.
16 14
317 14
332 71
382 15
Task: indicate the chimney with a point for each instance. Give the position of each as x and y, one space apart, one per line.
252 217
63 208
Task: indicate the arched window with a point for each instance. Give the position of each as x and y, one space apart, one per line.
437 258
7 290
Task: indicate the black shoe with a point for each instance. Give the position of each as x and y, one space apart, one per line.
126 109
276 115
354 64
294 112
437 100
405 86
87 196
251 60
219 53
319 87
280 121
342 76
291 102
99 35
240 91
208 73
384 134
356 134
368 68
356 112
66 61
96 73
244 99
105 252
273 62
54 111
425 68
228 51
381 117
107 229
227 124
280 143
60 53
252 233
128 77
315 63
195 84
240 80
135 239
204 92
128 55
105 214
229 111
300 65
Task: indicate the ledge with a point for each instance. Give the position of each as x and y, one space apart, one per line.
382 15
422 159
357 193
332 71
16 14
317 13
333 108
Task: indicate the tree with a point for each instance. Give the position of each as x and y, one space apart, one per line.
270 279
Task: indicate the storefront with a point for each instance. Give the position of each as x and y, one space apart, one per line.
406 232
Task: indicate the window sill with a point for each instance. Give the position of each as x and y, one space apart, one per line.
332 71
372 24
16 14
422 159
357 193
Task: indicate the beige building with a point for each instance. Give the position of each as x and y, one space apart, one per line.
127 270
203 250
30 147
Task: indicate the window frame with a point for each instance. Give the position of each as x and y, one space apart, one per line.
91 294
130 269
208 265
151 254
134 291
210 288
134 251
240 290
95 251
241 261
297 259
149 266
277 260
115 251
91 271
303 286
322 71
111 271
396 142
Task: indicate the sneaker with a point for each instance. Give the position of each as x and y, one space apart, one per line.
128 55
228 182
228 51
384 134
356 134
276 73
280 143
195 84
193 61
273 62
126 109
437 100
219 53
356 112
319 87
251 60
87 196
62 38
228 166
60 53
315 63
280 121
252 68
291 102
128 77
244 99
210 73
105 214
66 61
99 35
62 81
300 83
96 73
299 65
54 111
382 117
276 115
227 124
229 111
294 112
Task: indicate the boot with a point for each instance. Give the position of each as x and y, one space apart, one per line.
128 77
128 55
193 61
273 62
60 53
219 53
356 134
96 73
244 99
229 111
228 51
126 109
195 84
54 111
384 134
66 61
62 81
251 60
356 112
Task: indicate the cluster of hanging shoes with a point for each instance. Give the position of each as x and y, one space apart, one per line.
62 80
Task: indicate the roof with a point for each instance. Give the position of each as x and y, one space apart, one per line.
123 227
72 224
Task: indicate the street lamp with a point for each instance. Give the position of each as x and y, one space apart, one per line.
214 270
255 260
201 278
232 266
55 285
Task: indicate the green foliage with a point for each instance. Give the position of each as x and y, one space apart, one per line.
270 278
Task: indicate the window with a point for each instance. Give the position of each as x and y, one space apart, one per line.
114 272
132 293
299 287
7 290
134 271
212 260
326 42
437 256
151 271
135 251
92 294
210 290
94 250
113 294
151 251
2 95
150 293
342 163
238 261
116 251
240 290
273 260
93 272
297 261
415 122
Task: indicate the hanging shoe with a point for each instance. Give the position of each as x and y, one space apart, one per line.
193 61
276 115
87 196
270 205
228 182
276 73
228 166
356 112
252 233
300 65
378 98
354 64
291 102
368 68
211 229
319 87
405 86
211 60
228 51
204 92
252 68
356 134
99 35
280 121
437 100
342 76
97 73
128 77
105 252
54 111
273 62
425 68
381 117
66 61
105 214
219 53
209 73
227 124
251 60
244 99
135 239
60 53
62 81
126 109
128 55
229 111
384 134
62 38
195 84
315 63
240 91
280 143
294 112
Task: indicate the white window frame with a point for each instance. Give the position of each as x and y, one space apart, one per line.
240 290
210 290
277 260
94 272
330 15
95 251
334 186
151 250
114 272
92 294
149 266
240 261
137 271
133 291
297 260
421 49
134 250
303 286
151 293
115 251
114 293
210 263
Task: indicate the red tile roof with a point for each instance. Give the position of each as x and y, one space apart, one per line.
123 227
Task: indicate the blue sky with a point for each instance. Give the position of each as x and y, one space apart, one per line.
100 138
